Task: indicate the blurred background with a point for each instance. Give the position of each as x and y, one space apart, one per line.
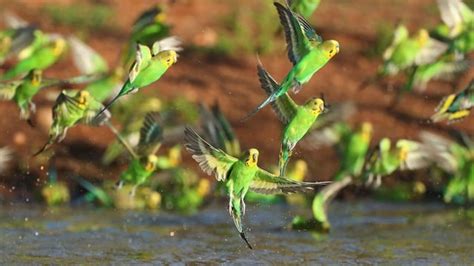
221 41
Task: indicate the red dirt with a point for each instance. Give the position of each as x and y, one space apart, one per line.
233 82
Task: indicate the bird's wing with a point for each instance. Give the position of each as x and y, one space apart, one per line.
430 52
450 12
298 43
416 155
86 59
8 89
151 134
211 160
230 139
284 106
142 59
338 112
166 44
400 34
268 183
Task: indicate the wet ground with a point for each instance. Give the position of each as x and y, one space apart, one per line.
363 233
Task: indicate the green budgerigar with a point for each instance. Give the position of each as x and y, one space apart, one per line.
22 92
240 175
385 159
148 28
41 58
144 161
297 119
304 7
70 109
455 107
306 50
149 65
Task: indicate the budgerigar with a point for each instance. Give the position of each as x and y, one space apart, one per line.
456 159
297 119
22 92
70 109
41 58
240 175
456 106
306 50
144 161
304 7
149 66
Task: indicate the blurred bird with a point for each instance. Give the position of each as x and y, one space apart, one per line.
297 119
351 145
40 58
304 7
149 66
456 159
91 63
383 160
144 160
70 109
240 175
306 50
455 107
456 16
148 28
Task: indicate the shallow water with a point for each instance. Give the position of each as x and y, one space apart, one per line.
363 232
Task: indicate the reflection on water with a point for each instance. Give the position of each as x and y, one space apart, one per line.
364 232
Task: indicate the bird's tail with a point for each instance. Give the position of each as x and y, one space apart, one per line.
126 88
283 160
441 110
46 146
235 210
270 99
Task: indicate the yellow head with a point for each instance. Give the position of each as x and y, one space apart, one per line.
366 130
59 45
330 48
316 105
251 157
160 17
168 57
36 77
422 37
150 163
402 153
83 98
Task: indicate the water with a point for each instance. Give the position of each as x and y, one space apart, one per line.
363 233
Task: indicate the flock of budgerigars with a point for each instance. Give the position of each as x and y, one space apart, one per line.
150 52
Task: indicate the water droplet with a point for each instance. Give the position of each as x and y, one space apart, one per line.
36 233
26 219
171 233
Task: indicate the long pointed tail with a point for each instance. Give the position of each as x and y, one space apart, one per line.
270 99
283 162
235 210
242 235
46 146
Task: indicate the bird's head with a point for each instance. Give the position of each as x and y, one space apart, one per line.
151 162
366 131
330 48
168 57
160 16
422 37
300 170
5 43
251 157
403 148
35 76
316 105
59 45
83 98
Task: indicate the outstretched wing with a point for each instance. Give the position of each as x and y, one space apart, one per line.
450 12
284 106
211 160
166 44
8 89
268 183
400 34
86 59
298 43
151 134
142 59
431 52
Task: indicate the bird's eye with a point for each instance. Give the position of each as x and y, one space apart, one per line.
331 51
